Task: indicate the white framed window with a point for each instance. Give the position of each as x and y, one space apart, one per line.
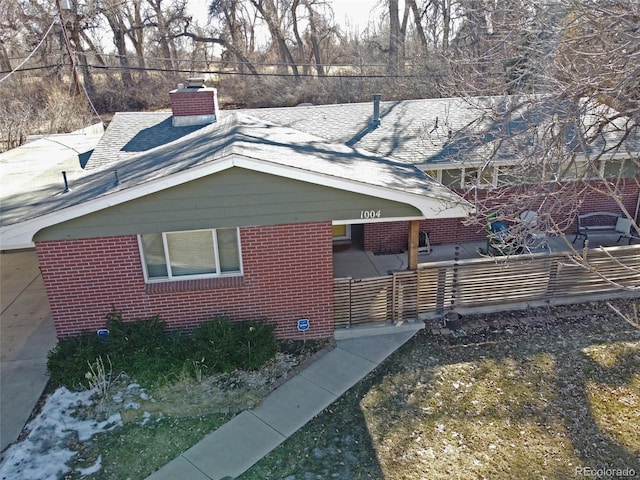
190 254
341 232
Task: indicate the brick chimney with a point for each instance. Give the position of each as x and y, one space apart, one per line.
193 103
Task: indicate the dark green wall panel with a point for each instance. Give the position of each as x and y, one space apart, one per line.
234 197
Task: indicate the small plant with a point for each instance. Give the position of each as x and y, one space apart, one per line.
257 344
198 366
227 346
98 376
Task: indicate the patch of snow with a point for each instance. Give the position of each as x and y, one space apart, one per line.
92 469
146 416
44 453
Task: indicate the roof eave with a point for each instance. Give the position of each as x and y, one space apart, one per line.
21 234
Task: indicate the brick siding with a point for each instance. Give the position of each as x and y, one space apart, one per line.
195 102
392 237
288 275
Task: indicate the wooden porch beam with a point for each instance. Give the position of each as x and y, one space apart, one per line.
414 241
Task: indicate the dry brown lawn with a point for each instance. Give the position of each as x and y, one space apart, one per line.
555 401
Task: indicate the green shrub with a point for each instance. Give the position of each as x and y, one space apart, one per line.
213 345
256 345
223 346
146 352
69 360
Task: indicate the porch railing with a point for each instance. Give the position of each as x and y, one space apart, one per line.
488 282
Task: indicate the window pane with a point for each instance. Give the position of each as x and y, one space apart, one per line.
451 178
339 230
486 176
623 168
153 250
228 250
578 169
433 174
191 253
470 175
508 175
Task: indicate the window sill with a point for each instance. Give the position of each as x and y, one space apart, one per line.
157 288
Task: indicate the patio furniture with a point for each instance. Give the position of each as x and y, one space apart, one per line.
535 239
500 241
424 245
604 223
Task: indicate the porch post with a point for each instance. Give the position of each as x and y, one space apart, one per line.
414 241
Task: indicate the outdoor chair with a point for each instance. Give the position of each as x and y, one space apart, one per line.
535 240
623 227
424 245
500 241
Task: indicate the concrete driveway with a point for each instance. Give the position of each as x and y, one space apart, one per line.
27 333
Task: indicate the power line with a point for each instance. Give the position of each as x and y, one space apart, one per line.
29 69
31 54
229 62
233 73
235 62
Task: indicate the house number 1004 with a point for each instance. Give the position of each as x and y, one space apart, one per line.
369 213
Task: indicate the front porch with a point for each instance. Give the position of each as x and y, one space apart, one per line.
354 262
379 290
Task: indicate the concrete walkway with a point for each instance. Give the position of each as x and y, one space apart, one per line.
236 446
27 334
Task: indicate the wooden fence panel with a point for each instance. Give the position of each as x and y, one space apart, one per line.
404 296
369 300
342 302
372 300
428 290
608 272
499 283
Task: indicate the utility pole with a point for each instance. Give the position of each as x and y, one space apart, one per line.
74 71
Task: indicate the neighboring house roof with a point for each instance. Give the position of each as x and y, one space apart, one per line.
32 173
132 161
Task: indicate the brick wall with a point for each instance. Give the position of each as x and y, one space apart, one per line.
392 237
595 200
288 275
193 101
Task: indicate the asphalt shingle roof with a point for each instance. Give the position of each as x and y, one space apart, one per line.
135 149
329 140
454 130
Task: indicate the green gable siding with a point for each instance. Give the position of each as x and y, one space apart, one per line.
232 198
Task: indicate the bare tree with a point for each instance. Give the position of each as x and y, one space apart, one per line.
569 132
10 28
417 20
116 18
219 41
394 36
164 21
315 37
274 19
237 31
